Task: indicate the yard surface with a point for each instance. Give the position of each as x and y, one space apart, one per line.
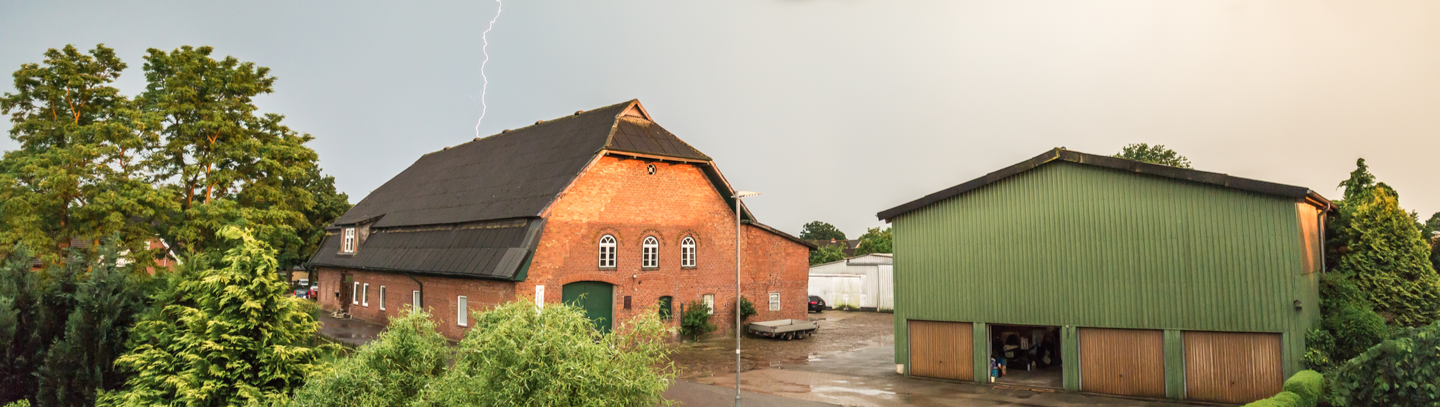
839 332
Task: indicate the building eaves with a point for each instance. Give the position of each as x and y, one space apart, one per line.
1061 154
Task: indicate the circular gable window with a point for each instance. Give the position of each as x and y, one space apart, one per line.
650 168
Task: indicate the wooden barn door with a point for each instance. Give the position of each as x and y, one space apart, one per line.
1128 362
942 350
1231 367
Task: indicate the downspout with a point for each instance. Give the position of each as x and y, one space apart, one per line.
422 289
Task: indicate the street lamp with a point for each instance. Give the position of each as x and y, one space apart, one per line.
738 196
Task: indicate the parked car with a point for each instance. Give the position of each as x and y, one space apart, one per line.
817 304
302 293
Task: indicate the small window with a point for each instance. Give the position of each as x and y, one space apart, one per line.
650 253
607 251
650 169
382 298
710 303
365 295
348 244
774 301
462 318
415 300
355 293
687 252
665 310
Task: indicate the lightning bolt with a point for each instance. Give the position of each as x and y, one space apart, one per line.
484 37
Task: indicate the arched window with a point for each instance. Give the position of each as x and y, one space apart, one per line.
687 252
665 308
650 253
607 251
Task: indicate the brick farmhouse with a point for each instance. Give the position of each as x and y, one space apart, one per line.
603 208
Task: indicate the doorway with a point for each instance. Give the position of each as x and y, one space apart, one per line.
595 297
1026 355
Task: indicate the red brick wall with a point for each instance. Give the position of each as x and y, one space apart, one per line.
441 296
619 197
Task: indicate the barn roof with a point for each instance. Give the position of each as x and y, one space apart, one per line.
1061 154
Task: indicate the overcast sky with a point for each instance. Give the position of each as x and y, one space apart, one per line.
835 110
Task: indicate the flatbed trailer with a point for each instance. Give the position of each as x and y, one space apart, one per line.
786 329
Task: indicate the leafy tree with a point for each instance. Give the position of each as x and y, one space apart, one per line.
874 240
1431 232
389 371
1401 371
695 322
226 336
818 230
1156 154
228 164
1389 261
826 254
80 170
518 355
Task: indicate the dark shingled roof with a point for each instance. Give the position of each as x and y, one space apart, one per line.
1061 154
419 215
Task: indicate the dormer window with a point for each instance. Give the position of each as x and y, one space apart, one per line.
347 245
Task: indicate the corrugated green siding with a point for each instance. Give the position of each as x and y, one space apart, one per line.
1073 245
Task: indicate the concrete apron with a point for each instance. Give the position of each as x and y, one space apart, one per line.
858 381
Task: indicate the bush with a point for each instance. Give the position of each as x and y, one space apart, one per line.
1309 385
389 371
695 323
1319 345
1284 399
1401 371
747 309
517 355
1355 328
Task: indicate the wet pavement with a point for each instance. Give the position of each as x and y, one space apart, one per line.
690 394
352 332
851 362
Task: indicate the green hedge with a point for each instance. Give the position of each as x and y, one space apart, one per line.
1301 390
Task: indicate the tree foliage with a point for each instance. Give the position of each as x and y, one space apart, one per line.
818 230
389 371
221 336
747 309
827 253
1401 371
1156 154
229 164
518 355
875 240
1383 252
80 171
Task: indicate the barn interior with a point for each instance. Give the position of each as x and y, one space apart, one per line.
1027 355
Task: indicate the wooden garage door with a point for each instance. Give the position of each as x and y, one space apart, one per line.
942 349
1128 362
1230 367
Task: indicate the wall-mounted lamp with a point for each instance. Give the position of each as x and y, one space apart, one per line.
1298 306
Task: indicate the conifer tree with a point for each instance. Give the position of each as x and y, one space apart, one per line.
103 306
18 306
1389 261
217 337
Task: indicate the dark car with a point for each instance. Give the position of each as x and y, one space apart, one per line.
817 304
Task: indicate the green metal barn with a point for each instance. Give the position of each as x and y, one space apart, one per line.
1099 274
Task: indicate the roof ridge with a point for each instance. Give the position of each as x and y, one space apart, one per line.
615 124
577 113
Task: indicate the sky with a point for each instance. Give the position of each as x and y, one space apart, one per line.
835 110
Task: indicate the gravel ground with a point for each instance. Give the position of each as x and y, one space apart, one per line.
840 331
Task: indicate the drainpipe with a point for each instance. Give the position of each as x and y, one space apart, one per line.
422 290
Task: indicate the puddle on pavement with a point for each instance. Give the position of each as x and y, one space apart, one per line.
867 392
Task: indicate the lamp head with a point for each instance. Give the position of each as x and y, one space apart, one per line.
745 194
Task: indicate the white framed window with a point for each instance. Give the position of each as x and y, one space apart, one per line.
650 252
687 252
462 318
355 293
607 251
347 245
774 301
710 302
382 298
365 294
415 299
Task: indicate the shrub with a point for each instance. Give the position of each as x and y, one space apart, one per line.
1401 371
1309 385
695 323
518 355
747 309
1284 399
1319 345
1355 328
389 371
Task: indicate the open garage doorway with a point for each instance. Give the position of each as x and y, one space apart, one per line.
1026 355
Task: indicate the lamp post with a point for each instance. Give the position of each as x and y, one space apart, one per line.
738 195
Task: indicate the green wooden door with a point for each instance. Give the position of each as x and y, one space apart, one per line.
596 298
